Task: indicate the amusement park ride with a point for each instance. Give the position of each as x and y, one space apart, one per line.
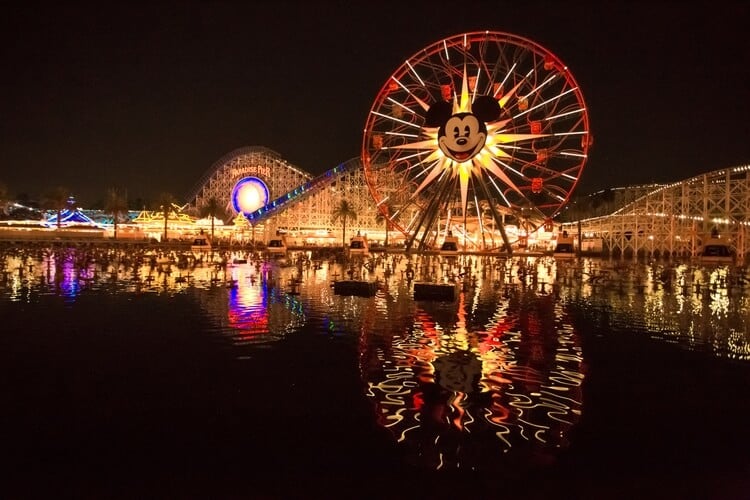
483 134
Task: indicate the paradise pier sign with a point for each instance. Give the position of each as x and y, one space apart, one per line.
264 170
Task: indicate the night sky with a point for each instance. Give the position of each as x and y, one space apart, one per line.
147 96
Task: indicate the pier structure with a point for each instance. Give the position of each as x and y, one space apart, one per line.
676 219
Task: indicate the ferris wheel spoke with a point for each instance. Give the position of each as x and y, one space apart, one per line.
565 114
416 171
397 120
500 192
428 144
536 89
501 138
557 97
436 171
497 172
504 80
506 166
548 172
417 99
503 101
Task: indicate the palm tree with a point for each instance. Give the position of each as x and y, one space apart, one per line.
57 200
380 218
165 201
4 197
252 224
116 204
344 211
212 208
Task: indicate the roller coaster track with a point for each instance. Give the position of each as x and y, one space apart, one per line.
301 192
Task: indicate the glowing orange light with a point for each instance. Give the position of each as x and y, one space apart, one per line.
536 185
549 63
536 127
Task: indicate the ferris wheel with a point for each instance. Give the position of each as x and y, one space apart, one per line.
482 135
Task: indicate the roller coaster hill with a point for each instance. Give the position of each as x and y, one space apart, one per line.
666 220
285 199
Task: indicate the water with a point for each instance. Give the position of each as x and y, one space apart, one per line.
138 372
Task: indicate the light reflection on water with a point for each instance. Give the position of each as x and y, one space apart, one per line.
703 308
459 388
459 384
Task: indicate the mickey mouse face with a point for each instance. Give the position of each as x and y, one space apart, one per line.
462 135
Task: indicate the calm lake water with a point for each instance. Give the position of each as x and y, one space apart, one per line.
144 374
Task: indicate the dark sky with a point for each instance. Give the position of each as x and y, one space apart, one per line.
146 96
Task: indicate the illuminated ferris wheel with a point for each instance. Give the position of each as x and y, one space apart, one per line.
482 135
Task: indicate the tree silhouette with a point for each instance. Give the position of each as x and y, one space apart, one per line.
116 203
212 208
165 201
344 211
4 197
57 200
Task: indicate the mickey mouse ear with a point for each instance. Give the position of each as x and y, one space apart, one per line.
486 108
438 114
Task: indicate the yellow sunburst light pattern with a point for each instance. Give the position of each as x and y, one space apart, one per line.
493 147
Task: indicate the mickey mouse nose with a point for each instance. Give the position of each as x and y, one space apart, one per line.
461 141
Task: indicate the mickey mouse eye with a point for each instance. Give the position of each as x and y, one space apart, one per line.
467 130
456 133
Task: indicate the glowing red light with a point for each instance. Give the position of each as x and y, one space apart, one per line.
447 92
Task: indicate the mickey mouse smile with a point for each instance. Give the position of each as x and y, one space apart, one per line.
464 137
